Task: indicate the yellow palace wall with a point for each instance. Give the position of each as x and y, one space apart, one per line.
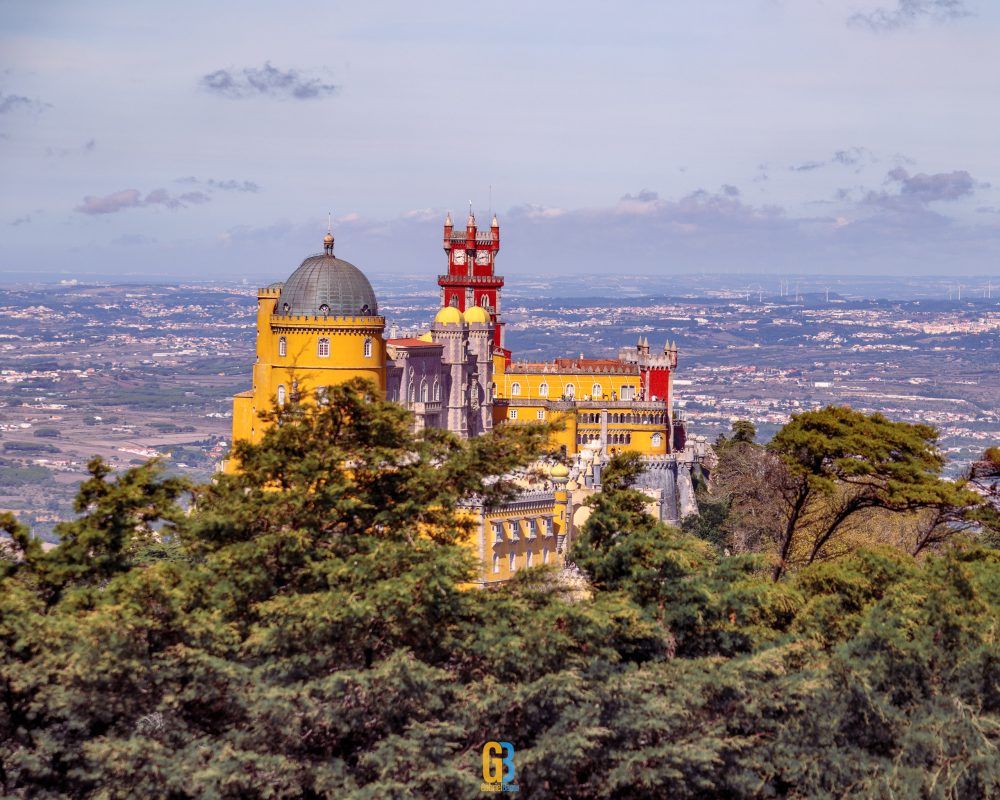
300 363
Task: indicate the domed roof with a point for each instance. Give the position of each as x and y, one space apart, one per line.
327 286
559 471
449 315
477 315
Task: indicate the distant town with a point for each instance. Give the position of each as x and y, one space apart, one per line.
132 372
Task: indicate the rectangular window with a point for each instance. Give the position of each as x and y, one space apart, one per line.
541 413
531 528
513 413
496 563
628 393
527 558
512 562
545 554
323 348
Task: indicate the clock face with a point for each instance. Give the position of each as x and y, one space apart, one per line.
483 257
459 256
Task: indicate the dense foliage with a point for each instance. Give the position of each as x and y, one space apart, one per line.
306 630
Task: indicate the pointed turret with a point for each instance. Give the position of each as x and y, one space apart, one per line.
448 227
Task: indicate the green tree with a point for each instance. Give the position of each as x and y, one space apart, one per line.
839 462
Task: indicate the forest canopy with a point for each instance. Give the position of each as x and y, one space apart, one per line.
305 628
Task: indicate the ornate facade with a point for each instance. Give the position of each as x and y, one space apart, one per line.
322 327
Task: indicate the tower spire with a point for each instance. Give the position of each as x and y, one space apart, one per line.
328 239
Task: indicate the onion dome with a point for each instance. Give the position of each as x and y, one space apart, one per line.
449 315
327 286
477 315
559 473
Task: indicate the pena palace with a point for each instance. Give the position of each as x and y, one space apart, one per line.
322 327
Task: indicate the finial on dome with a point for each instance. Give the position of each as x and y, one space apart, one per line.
328 239
495 223
471 222
447 220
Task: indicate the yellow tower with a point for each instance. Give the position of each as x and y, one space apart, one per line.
318 329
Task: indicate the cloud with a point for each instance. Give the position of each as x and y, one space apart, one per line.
807 166
267 80
132 198
225 186
21 221
907 13
61 152
925 188
18 102
857 157
134 240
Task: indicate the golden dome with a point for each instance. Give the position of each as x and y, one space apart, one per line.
559 471
477 315
426 337
449 315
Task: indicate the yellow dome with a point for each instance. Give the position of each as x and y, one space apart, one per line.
449 315
559 471
426 337
477 315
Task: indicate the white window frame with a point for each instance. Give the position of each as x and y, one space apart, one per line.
496 563
281 394
368 347
515 389
543 390
570 391
282 347
528 553
541 413
656 439
512 562
512 413
597 391
323 347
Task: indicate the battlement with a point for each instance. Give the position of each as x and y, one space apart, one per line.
465 280
485 237
567 366
296 321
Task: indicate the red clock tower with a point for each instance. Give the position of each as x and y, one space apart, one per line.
470 280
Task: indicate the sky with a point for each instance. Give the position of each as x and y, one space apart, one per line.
212 140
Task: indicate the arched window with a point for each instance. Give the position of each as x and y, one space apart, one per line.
543 390
323 348
282 347
656 440
437 392
324 310
424 392
545 554
512 561
596 391
281 395
515 390
570 391
496 563
368 347
484 301
411 396
527 557
286 308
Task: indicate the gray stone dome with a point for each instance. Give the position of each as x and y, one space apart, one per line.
327 286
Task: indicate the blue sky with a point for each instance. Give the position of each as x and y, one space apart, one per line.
211 139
